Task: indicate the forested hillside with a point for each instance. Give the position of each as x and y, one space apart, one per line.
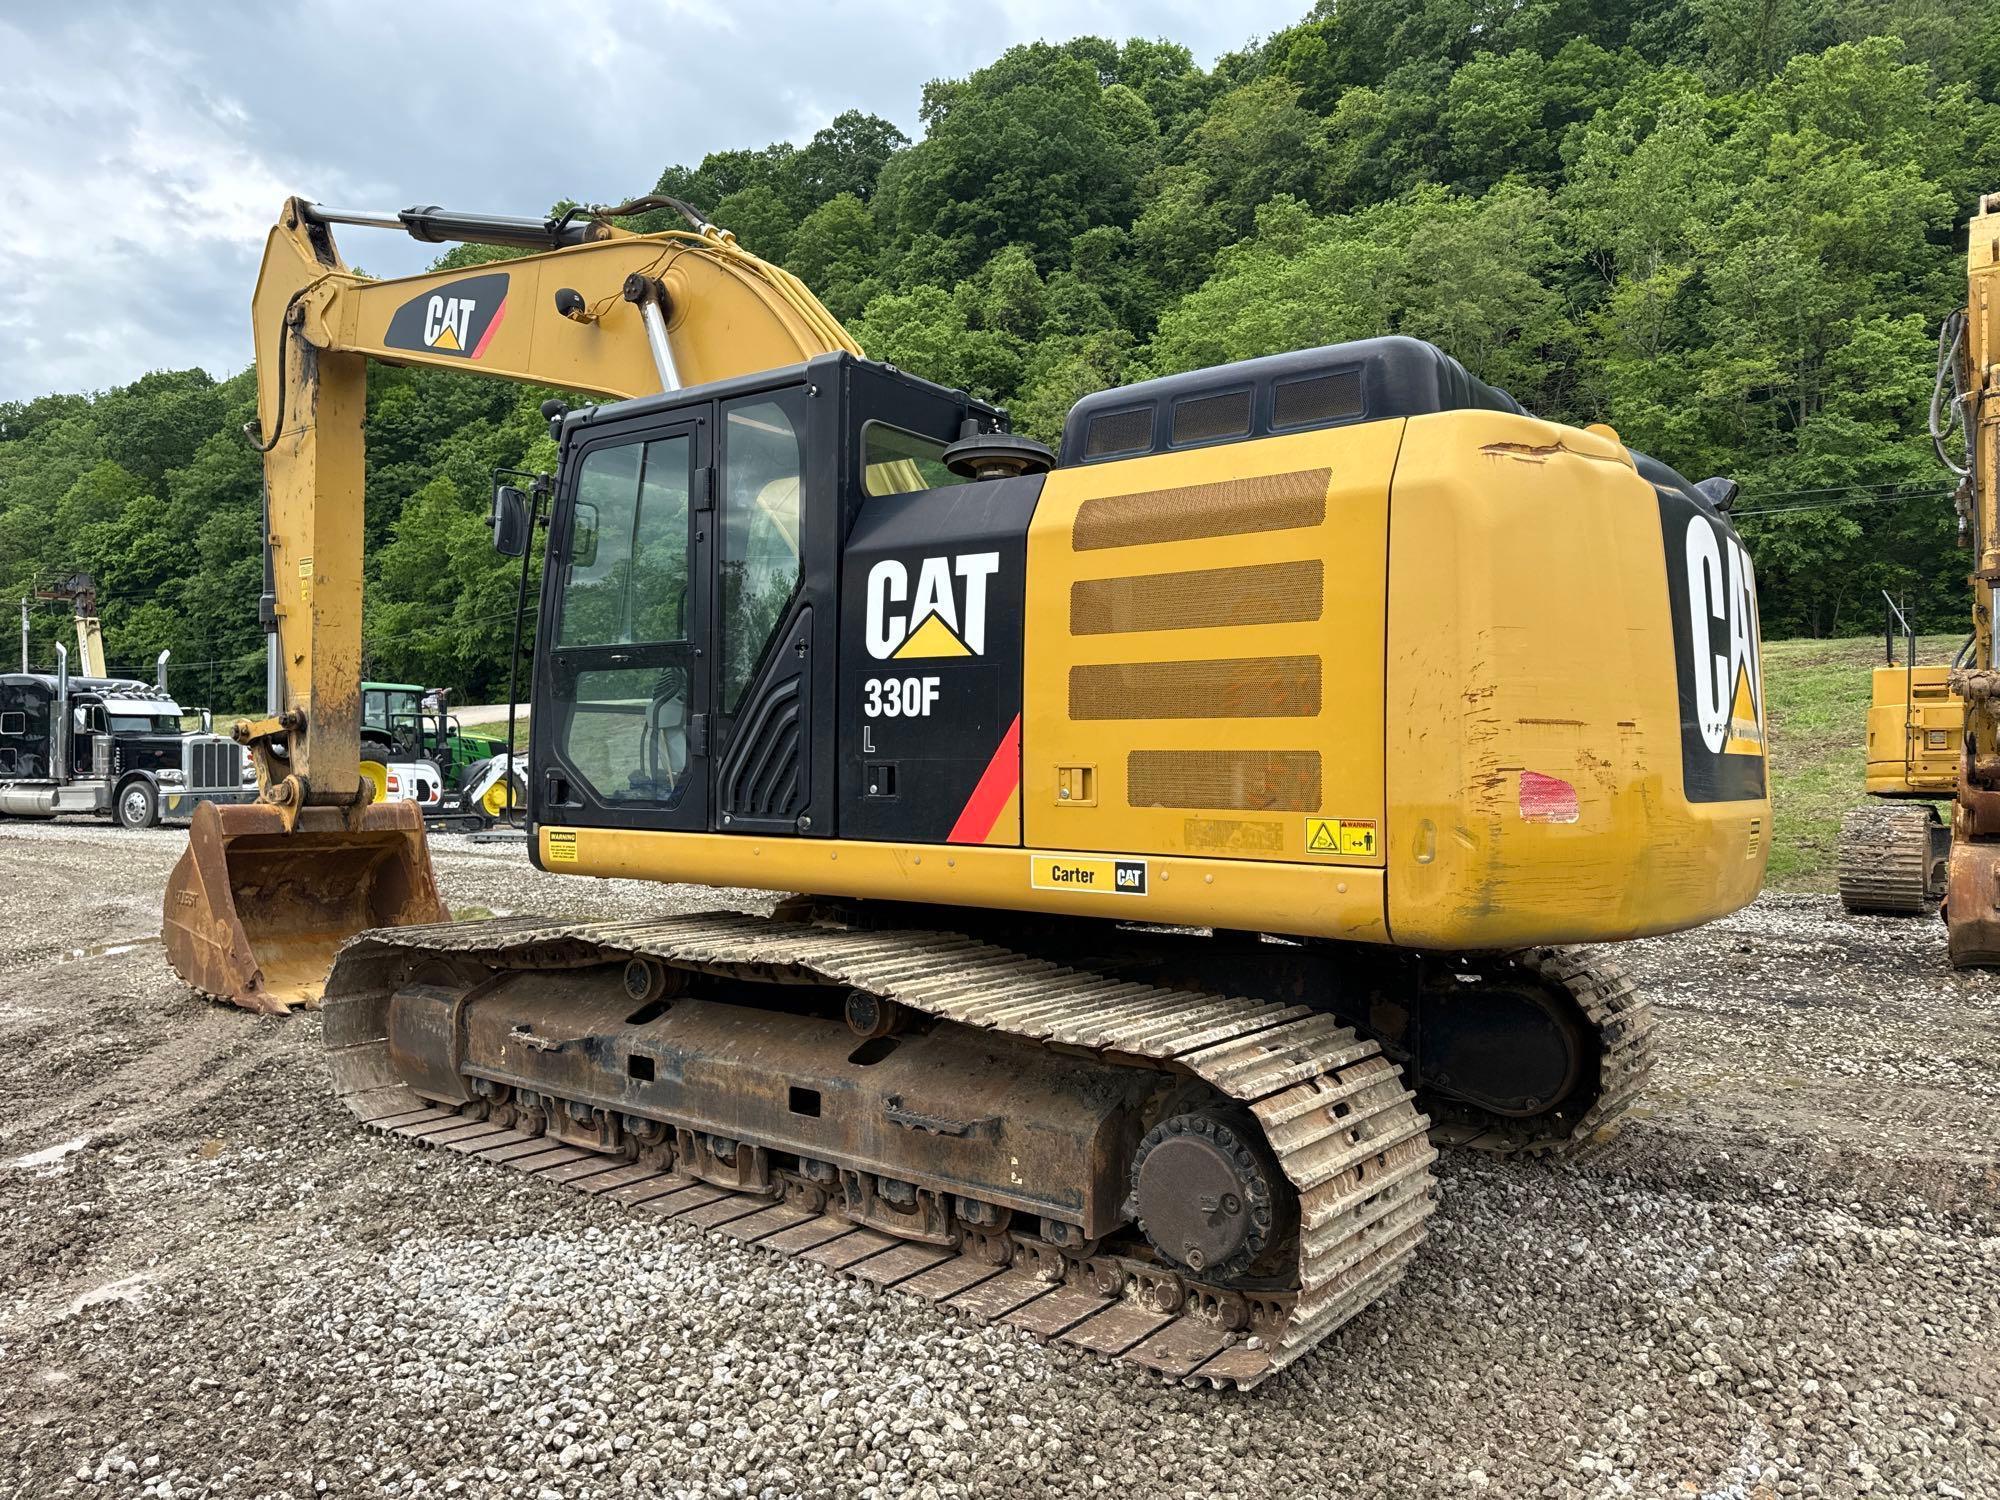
1727 227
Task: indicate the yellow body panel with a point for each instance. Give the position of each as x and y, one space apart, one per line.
1916 726
1444 616
1529 631
1317 901
1326 657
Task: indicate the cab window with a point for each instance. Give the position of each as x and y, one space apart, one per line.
761 518
897 462
627 585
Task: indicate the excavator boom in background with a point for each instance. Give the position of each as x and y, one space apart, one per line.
1972 893
1183 830
1934 730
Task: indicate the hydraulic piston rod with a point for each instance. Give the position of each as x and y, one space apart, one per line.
438 226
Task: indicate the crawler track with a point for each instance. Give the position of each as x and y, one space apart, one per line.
1622 1020
1334 1114
1884 860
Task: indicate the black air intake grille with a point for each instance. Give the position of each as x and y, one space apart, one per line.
764 775
1317 401
1120 432
1205 419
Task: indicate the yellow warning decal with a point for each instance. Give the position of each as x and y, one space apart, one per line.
1113 877
562 846
1341 836
305 580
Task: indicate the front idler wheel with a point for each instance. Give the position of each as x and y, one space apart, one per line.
1206 1194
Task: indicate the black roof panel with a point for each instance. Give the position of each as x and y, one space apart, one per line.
1362 381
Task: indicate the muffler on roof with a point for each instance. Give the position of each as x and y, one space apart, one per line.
255 912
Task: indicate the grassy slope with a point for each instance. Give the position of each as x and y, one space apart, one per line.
1816 699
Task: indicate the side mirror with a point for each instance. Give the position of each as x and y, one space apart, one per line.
207 722
583 535
1719 492
509 521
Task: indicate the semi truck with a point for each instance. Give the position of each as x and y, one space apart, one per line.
113 746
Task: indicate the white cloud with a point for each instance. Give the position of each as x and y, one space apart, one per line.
149 148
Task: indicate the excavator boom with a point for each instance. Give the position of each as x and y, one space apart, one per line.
1972 893
268 891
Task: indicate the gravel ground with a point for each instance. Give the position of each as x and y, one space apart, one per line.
1782 1277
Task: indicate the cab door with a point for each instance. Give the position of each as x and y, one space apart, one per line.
777 526
619 712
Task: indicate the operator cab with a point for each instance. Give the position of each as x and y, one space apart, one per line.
691 602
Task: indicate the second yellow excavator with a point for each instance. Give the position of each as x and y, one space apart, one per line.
1934 732
1894 849
1182 830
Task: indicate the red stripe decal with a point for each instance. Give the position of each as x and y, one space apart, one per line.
996 784
487 337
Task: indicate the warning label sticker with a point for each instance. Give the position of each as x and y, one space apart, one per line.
562 846
1341 836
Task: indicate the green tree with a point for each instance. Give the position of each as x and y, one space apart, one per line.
848 156
835 251
1025 151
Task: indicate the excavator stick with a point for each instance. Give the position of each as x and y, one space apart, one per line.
255 913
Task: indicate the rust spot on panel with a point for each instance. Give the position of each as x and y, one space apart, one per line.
1598 769
1541 453
1526 452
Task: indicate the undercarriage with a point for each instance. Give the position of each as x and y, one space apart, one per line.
1201 1179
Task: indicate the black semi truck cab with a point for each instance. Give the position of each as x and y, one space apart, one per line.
108 745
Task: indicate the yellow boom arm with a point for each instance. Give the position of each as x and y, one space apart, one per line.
561 319
267 892
1972 898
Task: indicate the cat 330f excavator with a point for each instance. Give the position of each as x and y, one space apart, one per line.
1180 830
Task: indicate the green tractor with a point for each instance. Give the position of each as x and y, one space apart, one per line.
413 750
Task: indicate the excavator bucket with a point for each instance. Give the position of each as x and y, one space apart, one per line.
1972 904
254 914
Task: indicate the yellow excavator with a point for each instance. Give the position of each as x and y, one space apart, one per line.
1894 848
1181 831
1934 731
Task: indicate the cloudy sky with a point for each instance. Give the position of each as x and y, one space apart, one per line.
146 148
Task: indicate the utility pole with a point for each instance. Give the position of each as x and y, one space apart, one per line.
24 633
